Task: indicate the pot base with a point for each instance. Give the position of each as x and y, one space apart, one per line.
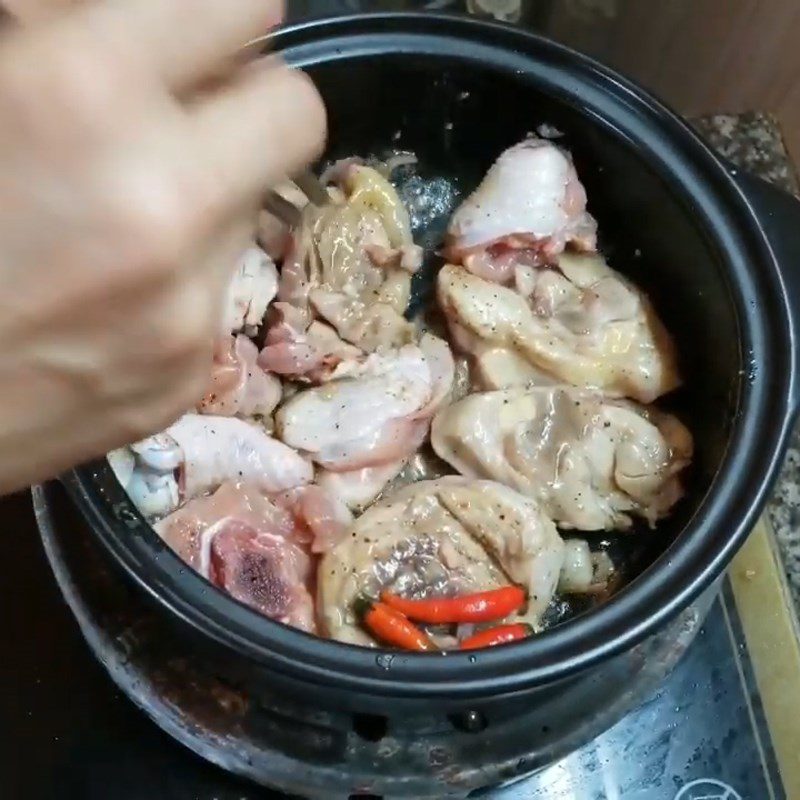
294 747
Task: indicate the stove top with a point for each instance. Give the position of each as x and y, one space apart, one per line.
76 737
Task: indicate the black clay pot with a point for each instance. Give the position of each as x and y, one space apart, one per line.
717 252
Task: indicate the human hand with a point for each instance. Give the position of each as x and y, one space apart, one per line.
33 10
125 198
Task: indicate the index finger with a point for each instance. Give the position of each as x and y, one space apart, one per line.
183 40
28 11
265 125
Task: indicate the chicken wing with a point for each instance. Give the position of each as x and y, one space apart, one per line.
197 454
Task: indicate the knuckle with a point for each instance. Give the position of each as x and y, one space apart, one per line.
133 426
136 423
313 99
297 122
314 106
305 92
193 387
169 399
186 340
80 84
307 105
185 333
88 82
156 229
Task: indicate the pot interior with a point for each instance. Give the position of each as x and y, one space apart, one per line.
457 115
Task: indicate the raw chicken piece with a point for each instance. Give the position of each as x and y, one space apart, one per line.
250 291
219 449
498 367
446 537
584 572
272 234
528 208
358 488
148 472
264 572
199 453
324 513
577 570
249 546
239 386
370 193
373 411
123 464
299 350
581 323
350 263
591 462
190 529
369 325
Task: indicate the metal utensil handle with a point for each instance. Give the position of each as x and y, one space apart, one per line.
312 188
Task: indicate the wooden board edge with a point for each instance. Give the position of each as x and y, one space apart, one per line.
766 610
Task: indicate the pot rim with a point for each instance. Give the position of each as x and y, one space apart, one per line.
723 517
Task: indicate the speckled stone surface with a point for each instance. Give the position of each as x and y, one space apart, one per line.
753 141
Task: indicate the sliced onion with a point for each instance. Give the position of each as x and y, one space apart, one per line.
397 160
604 568
464 630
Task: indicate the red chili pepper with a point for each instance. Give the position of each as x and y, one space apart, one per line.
500 634
391 626
477 607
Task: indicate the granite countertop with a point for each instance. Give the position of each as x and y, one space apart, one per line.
753 141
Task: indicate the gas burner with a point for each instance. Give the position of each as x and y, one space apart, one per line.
325 755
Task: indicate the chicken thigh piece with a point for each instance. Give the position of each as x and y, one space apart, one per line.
273 235
579 323
239 386
589 461
324 514
349 264
253 285
250 547
440 538
299 350
374 411
357 488
528 208
197 454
